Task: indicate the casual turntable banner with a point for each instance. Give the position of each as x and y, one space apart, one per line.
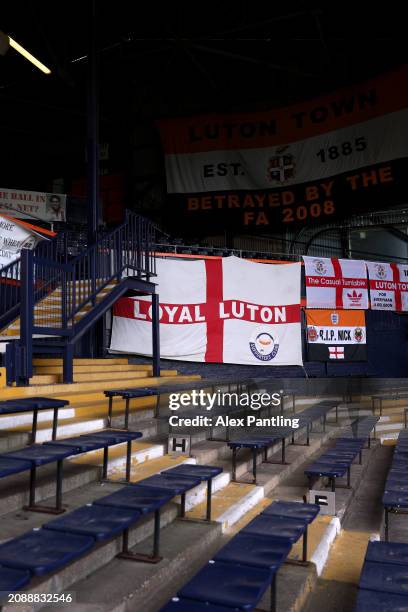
219 310
336 335
336 283
315 161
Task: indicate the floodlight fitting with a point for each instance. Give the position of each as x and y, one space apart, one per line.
29 56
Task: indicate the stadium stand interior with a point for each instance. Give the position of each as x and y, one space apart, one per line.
182 529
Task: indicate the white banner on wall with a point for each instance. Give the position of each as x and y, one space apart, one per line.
23 204
336 283
13 238
388 286
225 310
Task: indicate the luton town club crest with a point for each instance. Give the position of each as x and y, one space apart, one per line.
320 267
281 167
380 271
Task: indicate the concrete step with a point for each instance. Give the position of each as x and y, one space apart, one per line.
40 361
100 367
233 503
79 471
59 390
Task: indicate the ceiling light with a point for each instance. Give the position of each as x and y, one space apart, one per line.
8 41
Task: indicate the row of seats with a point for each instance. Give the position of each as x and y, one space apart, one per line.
384 578
34 405
66 538
394 393
242 571
258 440
395 498
336 462
36 455
137 392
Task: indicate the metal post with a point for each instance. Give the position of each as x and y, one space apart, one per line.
254 457
58 495
183 505
234 463
156 334
93 131
304 558
33 478
273 593
68 365
55 424
110 410
34 427
105 463
386 522
127 413
25 366
209 485
156 536
128 460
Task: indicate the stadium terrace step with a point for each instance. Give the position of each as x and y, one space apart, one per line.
61 389
141 452
78 361
144 584
230 504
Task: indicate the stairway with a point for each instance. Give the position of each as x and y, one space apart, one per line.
49 300
47 312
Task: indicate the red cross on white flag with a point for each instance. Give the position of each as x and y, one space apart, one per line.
336 352
219 310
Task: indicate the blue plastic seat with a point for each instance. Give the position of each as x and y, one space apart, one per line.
83 444
249 443
387 552
288 529
335 470
42 551
396 486
395 499
255 550
12 466
373 601
118 436
131 393
296 510
40 454
13 579
347 454
143 499
204 472
27 404
227 584
175 486
385 577
100 522
180 604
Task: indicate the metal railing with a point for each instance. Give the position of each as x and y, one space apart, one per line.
66 291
